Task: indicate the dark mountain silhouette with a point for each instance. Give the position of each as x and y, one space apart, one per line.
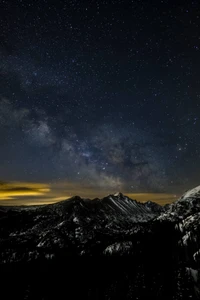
110 248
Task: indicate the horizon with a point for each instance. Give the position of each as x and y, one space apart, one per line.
29 193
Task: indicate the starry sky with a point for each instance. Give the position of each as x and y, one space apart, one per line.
98 97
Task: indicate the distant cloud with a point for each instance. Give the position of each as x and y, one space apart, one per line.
13 190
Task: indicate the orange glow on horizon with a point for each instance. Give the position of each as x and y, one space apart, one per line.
28 193
15 189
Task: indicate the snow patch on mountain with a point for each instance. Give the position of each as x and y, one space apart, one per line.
193 193
117 248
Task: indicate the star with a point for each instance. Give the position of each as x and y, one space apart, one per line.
104 98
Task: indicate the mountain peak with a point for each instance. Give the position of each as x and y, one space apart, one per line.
193 193
185 206
119 194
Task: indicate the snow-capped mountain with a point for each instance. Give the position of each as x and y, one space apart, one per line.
75 221
185 213
158 243
187 205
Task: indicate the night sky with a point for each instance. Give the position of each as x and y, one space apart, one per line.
98 97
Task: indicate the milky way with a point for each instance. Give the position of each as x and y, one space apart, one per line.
100 95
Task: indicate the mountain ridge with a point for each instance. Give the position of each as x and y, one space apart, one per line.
161 242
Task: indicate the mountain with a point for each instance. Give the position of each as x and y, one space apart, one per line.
110 248
187 205
73 221
185 213
116 205
154 207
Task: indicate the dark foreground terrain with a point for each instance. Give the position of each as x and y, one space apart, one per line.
113 248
